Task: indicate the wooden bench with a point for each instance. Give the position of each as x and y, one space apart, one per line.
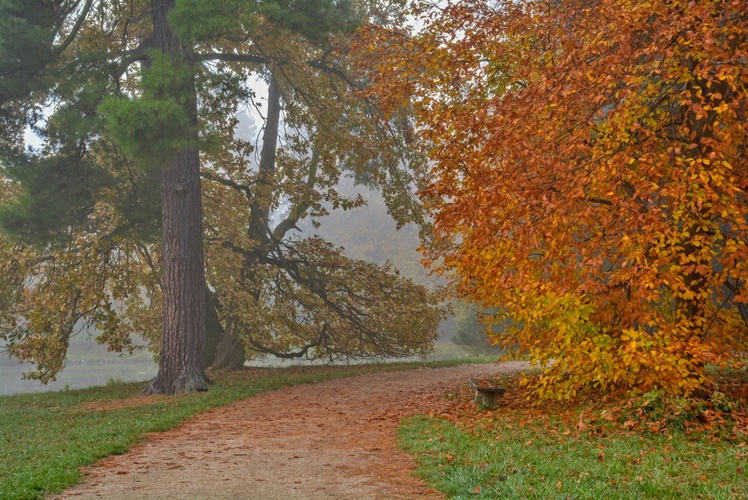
485 393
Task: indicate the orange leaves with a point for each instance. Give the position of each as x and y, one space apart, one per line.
588 177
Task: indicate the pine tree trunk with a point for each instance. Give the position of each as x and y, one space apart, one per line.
181 362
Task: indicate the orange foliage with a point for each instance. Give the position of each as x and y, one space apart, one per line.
588 177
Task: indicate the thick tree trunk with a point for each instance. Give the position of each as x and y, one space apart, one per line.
181 363
230 354
224 349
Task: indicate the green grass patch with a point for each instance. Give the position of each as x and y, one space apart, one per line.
586 450
46 437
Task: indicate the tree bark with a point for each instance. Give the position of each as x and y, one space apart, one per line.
230 353
224 349
259 228
181 363
213 327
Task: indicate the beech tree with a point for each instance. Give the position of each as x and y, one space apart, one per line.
130 111
588 178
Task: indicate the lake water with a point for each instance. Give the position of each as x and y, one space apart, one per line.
75 375
88 364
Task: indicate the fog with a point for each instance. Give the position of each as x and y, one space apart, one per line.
88 364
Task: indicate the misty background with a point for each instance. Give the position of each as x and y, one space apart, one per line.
366 233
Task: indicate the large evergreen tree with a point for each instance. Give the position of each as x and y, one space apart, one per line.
181 363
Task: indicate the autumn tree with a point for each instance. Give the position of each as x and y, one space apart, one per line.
278 291
84 212
588 179
281 293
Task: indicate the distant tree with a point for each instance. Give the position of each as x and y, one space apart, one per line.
282 293
472 331
589 175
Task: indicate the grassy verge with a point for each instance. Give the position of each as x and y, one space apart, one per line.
45 438
588 450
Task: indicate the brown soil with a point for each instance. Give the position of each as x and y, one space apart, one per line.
332 439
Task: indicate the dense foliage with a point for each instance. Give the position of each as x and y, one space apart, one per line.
588 177
81 212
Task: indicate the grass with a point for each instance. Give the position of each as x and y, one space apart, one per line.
590 450
45 438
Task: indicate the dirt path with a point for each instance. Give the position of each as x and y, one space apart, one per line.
332 439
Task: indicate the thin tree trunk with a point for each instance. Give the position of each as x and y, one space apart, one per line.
181 363
232 349
259 229
230 353
213 327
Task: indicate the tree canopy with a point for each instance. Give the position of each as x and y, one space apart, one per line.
84 214
588 177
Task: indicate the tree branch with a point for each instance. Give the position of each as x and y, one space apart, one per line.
139 53
335 71
217 56
228 183
298 211
290 355
76 28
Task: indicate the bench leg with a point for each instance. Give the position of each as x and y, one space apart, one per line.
486 398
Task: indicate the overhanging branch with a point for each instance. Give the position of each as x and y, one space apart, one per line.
76 28
290 355
245 190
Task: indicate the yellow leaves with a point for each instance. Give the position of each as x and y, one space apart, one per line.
688 295
608 290
628 335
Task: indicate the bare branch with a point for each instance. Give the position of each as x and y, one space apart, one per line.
216 56
76 28
228 183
